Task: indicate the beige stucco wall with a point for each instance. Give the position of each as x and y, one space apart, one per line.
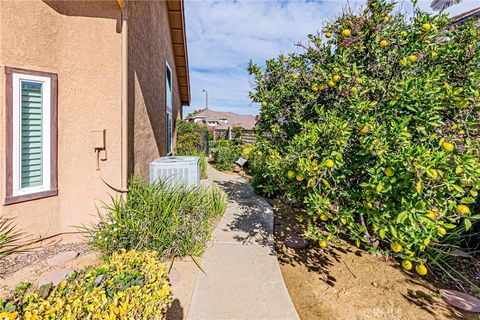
78 40
150 45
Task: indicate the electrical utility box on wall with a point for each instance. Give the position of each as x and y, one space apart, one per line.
176 171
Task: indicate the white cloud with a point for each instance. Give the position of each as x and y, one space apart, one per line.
223 35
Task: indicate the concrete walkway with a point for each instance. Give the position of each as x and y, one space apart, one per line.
242 277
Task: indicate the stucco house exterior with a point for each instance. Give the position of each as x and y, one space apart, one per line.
85 85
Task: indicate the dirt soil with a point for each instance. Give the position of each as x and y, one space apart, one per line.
343 282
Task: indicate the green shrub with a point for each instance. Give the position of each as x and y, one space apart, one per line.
225 154
376 131
189 138
131 285
190 143
171 220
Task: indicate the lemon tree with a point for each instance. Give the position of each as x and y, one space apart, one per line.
374 128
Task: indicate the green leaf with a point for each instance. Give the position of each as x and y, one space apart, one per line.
467 200
458 188
381 233
401 217
393 231
379 187
449 226
419 186
468 224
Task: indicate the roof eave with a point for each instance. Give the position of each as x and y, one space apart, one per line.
176 15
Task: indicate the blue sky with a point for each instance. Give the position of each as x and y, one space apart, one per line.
223 35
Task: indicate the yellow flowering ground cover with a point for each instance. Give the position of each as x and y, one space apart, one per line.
130 285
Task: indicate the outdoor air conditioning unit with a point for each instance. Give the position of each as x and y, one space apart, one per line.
176 171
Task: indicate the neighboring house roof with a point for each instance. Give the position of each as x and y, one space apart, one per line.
464 17
176 14
244 121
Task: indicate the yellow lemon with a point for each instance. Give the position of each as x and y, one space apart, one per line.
315 87
290 174
383 43
426 242
396 247
463 209
426 27
264 103
354 89
331 83
413 58
346 33
323 217
336 78
389 172
321 87
299 177
434 55
294 76
403 62
403 33
431 214
407 265
328 34
330 163
359 80
448 147
365 129
323 244
441 230
421 269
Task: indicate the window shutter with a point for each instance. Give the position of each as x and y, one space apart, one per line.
31 134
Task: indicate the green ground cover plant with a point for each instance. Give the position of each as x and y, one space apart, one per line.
174 221
374 128
130 285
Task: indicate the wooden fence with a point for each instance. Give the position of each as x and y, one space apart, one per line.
248 136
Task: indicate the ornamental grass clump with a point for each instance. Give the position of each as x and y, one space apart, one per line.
130 285
174 221
375 129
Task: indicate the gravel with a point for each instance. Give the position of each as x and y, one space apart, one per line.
14 263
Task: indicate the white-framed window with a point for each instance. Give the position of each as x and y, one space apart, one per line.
31 135
169 108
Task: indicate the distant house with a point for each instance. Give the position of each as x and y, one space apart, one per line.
86 84
218 120
466 16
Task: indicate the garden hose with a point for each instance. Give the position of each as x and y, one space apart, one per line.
103 178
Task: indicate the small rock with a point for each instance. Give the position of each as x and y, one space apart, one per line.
296 242
461 300
54 277
374 284
237 169
62 258
44 291
99 279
